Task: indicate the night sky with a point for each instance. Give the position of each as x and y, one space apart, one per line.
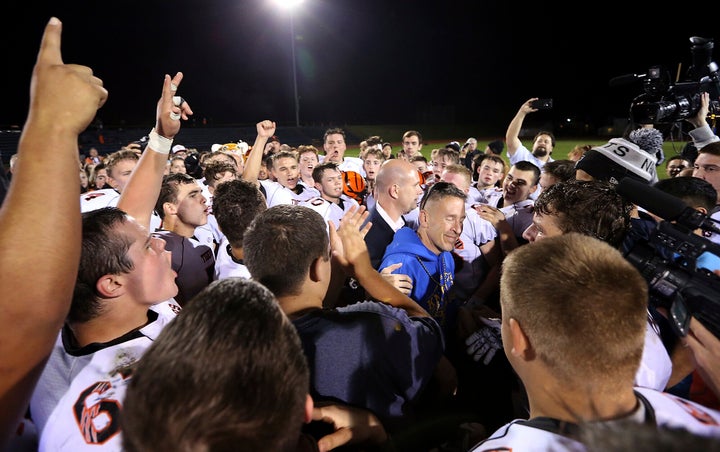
359 61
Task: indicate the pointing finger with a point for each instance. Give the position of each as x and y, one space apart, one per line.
50 46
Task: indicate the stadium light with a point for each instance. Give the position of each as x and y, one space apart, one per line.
290 6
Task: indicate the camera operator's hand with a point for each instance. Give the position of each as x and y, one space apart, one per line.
700 119
527 106
706 351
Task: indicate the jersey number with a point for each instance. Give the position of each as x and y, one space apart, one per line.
97 417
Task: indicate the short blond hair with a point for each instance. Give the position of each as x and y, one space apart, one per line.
582 305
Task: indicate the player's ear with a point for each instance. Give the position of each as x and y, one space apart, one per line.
169 208
309 405
423 217
316 269
394 190
110 286
521 346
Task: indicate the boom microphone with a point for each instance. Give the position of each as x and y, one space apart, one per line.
664 205
626 79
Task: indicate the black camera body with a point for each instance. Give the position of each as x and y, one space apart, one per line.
667 260
665 102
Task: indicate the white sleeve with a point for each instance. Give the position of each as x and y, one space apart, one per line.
702 136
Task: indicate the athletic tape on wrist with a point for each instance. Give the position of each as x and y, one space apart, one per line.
159 143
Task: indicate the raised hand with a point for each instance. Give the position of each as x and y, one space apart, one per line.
347 242
266 128
171 108
700 118
62 94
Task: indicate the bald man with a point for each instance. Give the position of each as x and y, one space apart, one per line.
397 188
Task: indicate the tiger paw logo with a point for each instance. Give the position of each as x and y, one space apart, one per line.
97 412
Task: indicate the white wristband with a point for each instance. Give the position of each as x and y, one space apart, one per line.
159 143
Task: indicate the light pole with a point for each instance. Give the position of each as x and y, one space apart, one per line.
294 70
290 6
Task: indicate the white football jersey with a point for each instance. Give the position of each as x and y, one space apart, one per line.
655 366
658 408
226 266
276 194
519 215
476 232
97 199
329 210
352 164
77 401
109 197
489 196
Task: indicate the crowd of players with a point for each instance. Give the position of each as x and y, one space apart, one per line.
284 298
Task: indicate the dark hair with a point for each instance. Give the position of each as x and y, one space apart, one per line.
228 373
104 252
281 244
169 190
496 146
320 168
440 190
479 158
693 190
562 170
524 165
591 208
545 132
373 140
213 169
712 149
92 175
333 131
411 133
672 158
235 204
192 164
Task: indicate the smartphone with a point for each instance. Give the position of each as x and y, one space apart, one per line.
680 318
542 104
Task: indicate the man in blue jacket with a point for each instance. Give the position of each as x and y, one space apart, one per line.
426 255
